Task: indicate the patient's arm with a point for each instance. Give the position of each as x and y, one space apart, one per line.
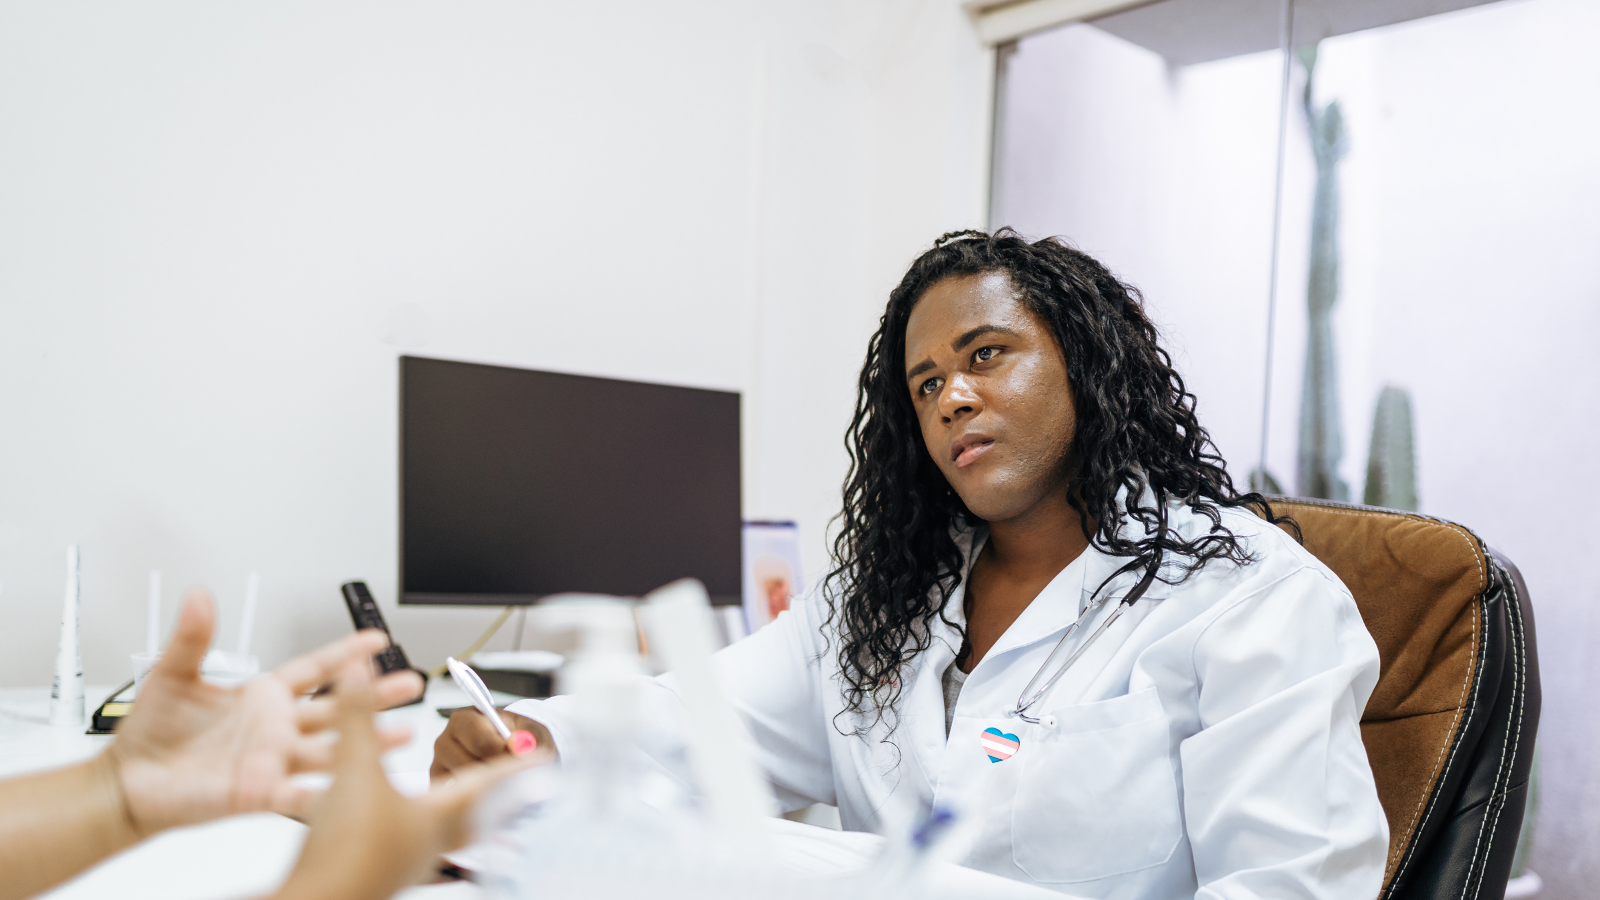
56 824
190 752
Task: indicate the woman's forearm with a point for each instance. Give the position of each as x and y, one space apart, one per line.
55 824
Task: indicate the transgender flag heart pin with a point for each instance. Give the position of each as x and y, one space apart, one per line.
999 745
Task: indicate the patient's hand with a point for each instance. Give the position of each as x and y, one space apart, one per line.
193 751
366 841
470 739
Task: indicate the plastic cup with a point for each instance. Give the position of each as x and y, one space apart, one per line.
227 669
142 664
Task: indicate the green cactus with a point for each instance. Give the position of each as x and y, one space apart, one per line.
1321 443
1392 458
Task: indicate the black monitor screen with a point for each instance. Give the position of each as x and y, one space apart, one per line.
517 484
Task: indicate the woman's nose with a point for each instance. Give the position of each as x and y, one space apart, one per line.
959 398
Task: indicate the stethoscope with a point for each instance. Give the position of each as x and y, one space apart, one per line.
1029 696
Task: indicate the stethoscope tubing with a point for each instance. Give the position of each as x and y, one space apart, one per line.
1024 700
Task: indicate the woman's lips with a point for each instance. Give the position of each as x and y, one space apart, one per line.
970 455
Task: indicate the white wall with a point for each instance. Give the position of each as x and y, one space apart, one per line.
1470 276
220 224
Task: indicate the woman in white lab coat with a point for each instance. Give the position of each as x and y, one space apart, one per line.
1052 610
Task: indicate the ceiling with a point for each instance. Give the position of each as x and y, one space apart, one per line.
1194 31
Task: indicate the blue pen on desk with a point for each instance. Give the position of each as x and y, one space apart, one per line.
473 686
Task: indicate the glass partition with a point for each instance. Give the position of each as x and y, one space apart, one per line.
1432 343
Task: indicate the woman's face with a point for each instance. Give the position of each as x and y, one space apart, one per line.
989 384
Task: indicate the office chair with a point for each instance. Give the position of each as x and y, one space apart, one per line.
1449 728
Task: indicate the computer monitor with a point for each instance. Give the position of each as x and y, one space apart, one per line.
517 484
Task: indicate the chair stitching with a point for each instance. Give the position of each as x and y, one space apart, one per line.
1494 791
1350 509
1466 535
1423 714
1475 679
1454 745
1519 660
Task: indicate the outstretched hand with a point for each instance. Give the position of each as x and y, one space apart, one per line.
367 841
194 751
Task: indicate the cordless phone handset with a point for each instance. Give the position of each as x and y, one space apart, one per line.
364 613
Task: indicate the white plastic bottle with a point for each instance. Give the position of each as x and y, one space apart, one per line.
619 826
612 823
66 689
595 830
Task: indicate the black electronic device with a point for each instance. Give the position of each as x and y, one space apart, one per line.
364 613
517 683
516 484
108 715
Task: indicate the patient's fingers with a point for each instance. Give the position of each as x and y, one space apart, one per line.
359 742
452 804
318 754
312 756
392 736
191 637
304 673
392 690
313 716
397 688
296 801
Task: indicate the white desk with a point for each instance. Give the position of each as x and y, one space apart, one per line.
249 856
245 856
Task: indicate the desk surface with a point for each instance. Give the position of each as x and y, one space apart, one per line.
249 856
245 856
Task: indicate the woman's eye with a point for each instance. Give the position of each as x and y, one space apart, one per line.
985 354
931 385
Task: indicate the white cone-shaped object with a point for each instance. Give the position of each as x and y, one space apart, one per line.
66 691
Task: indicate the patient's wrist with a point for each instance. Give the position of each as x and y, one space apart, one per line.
122 826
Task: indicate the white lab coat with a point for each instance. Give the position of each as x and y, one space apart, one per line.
1207 745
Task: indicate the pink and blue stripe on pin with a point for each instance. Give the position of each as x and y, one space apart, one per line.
999 745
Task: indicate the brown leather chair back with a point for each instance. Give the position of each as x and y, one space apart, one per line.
1449 728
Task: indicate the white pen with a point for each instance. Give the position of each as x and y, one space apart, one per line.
468 681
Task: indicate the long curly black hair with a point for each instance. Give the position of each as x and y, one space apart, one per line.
896 559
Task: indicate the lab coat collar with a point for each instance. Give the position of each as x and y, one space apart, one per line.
1058 605
1064 599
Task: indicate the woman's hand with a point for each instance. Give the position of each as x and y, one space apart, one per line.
192 751
471 739
367 841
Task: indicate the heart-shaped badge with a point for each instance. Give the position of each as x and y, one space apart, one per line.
999 745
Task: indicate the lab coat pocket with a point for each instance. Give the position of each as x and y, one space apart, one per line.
1096 796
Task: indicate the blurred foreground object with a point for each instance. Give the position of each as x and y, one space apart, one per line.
610 824
366 841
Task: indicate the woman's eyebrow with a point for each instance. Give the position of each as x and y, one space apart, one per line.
966 338
919 368
972 334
